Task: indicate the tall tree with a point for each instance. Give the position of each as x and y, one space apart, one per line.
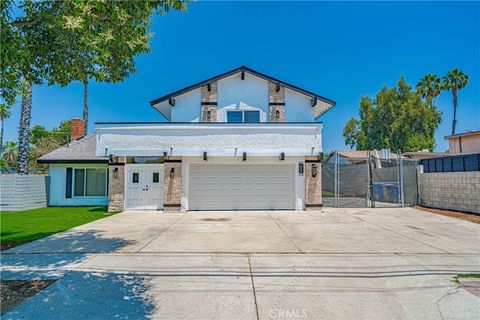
397 119
87 39
454 80
430 87
104 38
5 112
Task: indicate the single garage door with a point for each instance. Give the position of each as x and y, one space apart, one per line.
241 186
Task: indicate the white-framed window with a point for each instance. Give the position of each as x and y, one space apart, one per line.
245 116
89 182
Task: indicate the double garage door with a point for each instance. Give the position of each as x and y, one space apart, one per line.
241 186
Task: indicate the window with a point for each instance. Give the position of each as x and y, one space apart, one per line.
135 177
156 177
243 116
234 116
90 182
251 116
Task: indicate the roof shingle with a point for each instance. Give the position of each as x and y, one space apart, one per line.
81 150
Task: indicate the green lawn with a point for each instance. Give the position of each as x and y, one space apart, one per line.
468 275
38 223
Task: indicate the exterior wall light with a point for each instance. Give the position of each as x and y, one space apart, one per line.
172 173
111 158
115 173
314 170
205 156
209 87
277 115
282 156
171 101
301 168
209 116
244 156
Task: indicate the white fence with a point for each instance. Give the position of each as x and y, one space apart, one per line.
23 192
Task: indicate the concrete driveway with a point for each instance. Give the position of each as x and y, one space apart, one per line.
330 264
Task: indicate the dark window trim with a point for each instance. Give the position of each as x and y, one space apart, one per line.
68 183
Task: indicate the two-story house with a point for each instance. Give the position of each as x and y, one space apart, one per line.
241 140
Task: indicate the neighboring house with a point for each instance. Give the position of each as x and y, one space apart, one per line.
467 142
239 141
359 156
423 154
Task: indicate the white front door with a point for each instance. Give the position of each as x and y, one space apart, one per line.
144 186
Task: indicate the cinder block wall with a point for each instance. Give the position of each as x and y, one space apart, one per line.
450 190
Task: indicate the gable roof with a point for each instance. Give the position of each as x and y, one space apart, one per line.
245 69
463 134
77 151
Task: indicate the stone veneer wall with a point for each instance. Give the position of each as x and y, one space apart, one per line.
172 188
209 103
313 185
276 103
450 190
116 188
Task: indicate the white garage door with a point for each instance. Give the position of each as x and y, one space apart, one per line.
241 186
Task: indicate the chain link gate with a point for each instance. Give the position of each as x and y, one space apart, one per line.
371 181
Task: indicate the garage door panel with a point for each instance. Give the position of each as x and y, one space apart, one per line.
241 186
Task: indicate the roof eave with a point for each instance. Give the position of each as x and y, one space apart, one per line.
48 161
234 71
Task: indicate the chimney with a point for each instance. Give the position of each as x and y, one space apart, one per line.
78 128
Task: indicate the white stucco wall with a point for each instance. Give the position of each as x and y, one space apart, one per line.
237 94
299 179
57 173
298 107
216 139
187 107
233 93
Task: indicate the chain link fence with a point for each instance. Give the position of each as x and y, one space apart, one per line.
369 182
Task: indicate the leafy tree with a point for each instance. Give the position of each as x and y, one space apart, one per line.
59 136
454 80
9 157
430 87
88 39
103 39
5 112
397 119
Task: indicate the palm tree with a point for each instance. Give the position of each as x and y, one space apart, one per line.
4 114
454 80
24 131
429 87
11 153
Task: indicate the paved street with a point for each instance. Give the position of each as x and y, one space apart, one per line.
385 263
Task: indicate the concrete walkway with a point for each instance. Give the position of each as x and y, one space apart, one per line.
333 264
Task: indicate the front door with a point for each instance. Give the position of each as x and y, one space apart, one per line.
144 186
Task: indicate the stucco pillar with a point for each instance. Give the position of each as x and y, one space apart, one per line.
313 184
209 102
116 187
172 188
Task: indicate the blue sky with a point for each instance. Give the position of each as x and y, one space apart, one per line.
341 50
